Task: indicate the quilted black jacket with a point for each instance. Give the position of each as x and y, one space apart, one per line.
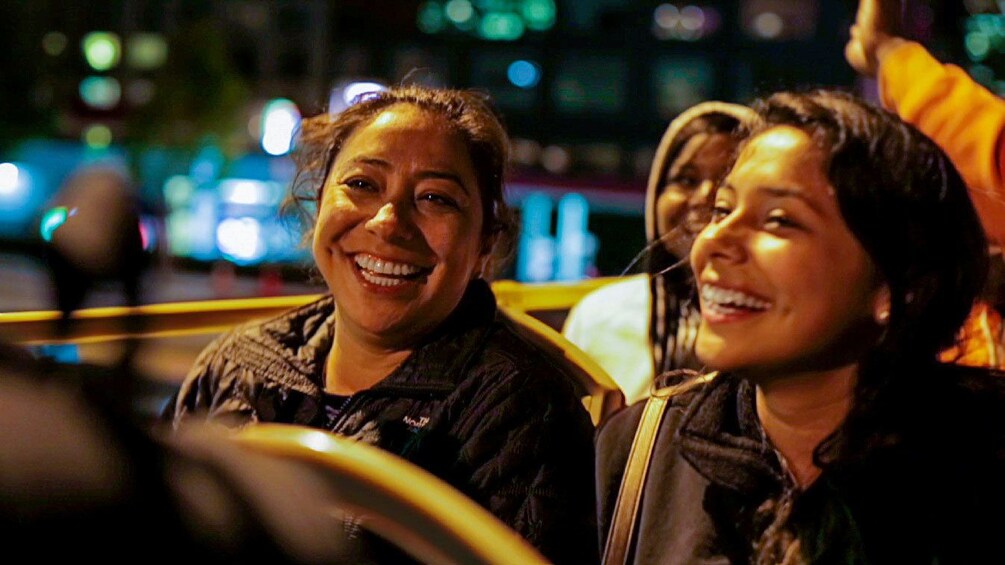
476 404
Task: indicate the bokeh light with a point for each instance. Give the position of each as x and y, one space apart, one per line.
524 74
102 50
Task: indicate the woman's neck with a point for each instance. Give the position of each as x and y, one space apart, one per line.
356 364
799 411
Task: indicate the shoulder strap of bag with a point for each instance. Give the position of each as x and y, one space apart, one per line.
626 507
619 538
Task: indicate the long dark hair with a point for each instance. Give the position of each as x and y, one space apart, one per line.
906 204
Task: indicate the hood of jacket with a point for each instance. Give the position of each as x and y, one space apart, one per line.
672 298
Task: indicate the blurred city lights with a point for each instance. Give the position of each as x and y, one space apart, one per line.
178 191
9 179
430 18
501 26
555 159
240 239
146 51
280 120
102 50
52 219
54 43
140 92
459 11
101 93
348 93
357 91
687 23
768 25
97 136
249 192
539 15
495 20
525 74
977 45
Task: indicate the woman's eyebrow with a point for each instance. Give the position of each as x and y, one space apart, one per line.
442 174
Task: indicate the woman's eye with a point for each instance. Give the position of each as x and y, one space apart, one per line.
780 220
719 212
438 199
684 181
359 184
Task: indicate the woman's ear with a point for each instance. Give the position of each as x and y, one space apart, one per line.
881 305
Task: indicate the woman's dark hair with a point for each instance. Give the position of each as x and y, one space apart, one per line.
906 204
470 113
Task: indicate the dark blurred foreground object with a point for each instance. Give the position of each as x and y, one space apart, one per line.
80 479
92 234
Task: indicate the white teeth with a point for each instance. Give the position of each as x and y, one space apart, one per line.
725 298
373 268
381 281
384 267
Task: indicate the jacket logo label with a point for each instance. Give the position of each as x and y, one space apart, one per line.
417 423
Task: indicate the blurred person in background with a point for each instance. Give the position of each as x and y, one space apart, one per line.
966 120
646 324
92 237
409 352
97 237
842 257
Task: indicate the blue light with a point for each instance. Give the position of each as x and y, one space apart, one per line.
524 74
536 251
577 247
51 221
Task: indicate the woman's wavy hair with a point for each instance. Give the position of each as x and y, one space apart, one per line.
470 113
907 205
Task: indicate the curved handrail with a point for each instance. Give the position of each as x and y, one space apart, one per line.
400 501
213 316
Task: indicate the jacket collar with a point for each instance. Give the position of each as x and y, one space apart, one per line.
722 439
303 337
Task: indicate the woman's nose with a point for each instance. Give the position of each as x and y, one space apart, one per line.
704 194
722 239
391 221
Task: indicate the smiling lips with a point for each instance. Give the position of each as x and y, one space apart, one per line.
386 273
723 304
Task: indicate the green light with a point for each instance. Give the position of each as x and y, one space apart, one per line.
430 18
51 220
977 45
97 136
459 11
146 51
178 191
103 50
501 26
539 15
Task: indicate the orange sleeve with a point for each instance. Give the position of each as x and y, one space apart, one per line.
965 119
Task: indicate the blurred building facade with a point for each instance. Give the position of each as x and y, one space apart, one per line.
182 88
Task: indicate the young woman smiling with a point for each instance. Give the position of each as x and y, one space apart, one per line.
842 256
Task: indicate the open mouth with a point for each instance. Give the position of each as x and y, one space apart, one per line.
726 301
383 272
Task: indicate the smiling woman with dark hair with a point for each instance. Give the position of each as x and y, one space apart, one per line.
842 257
409 352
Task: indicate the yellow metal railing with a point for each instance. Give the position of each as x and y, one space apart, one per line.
214 316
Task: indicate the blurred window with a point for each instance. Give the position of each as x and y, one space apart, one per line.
587 83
